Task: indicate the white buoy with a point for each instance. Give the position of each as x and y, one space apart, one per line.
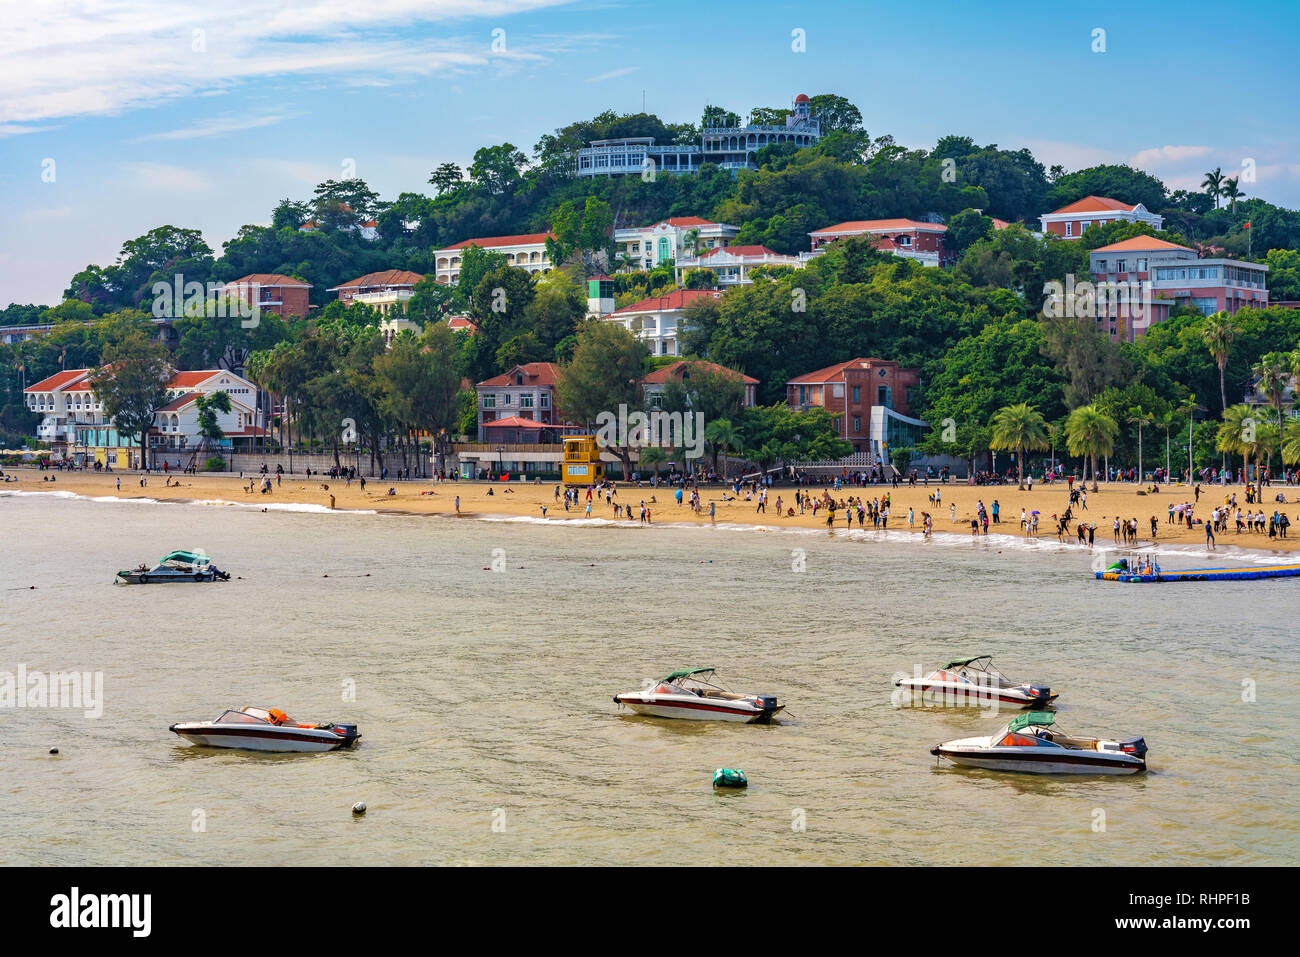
359 807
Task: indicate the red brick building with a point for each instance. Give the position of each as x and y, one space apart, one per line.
273 292
862 395
654 382
923 242
1070 221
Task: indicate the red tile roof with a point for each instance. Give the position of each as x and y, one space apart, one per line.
269 279
59 380
1138 244
460 322
188 380
739 251
879 225
675 370
488 242
180 402
830 373
515 422
1093 204
685 221
535 373
389 277
677 299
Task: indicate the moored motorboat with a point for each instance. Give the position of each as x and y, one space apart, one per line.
974 681
178 566
695 695
266 729
1029 743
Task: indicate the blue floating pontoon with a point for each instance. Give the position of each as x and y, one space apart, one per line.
1151 571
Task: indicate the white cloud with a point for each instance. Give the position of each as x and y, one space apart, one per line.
1158 157
66 58
216 126
612 74
167 178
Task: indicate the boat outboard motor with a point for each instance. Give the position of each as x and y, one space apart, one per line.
1040 691
350 733
1134 746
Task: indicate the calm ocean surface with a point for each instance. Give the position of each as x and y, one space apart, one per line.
484 698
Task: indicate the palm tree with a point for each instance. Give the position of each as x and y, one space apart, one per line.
1238 434
722 435
1231 192
1139 416
1018 428
1274 373
1090 432
1188 408
652 455
1213 184
692 241
1218 333
1291 443
1166 421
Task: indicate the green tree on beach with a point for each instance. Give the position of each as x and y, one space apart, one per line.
1274 373
209 428
1018 428
1239 434
1090 433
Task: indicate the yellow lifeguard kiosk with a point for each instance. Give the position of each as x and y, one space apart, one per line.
581 465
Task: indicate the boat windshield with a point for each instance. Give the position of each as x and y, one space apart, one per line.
240 717
977 671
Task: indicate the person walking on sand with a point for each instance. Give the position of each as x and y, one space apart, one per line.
713 511
457 501
953 513
1209 536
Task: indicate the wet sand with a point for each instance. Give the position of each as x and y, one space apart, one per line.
528 499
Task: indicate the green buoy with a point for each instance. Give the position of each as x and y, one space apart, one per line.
730 778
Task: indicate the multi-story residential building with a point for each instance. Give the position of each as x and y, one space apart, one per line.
526 392
1165 275
652 386
63 401
732 264
657 320
667 241
274 293
1070 221
74 423
871 401
388 292
730 147
176 431
527 251
912 238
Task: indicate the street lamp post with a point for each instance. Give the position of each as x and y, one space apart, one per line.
501 467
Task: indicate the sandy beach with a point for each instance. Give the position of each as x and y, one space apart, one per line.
528 500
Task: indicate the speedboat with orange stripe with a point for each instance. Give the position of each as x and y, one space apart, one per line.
695 695
974 682
1030 743
266 729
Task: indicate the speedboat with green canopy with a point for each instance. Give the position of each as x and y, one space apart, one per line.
177 566
1033 743
694 694
965 682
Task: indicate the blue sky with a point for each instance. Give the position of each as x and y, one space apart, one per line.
149 122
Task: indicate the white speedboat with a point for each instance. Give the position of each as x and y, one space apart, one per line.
179 566
266 729
975 682
695 695
1030 743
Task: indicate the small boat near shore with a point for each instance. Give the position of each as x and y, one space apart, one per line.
266 729
974 682
1030 744
695 695
1144 571
178 566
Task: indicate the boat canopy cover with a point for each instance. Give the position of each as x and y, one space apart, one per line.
687 672
192 558
961 662
1038 718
